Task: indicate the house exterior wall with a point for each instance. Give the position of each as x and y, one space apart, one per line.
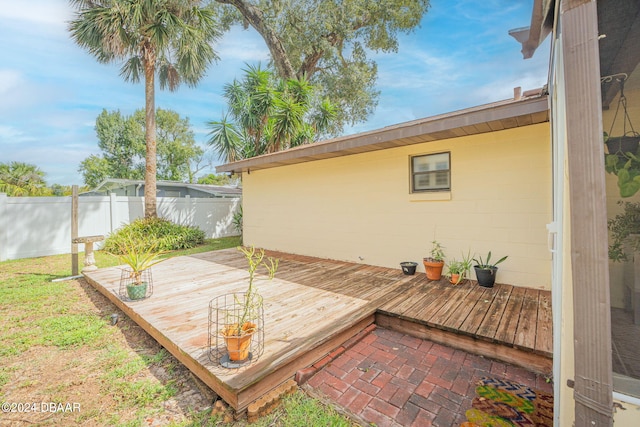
359 208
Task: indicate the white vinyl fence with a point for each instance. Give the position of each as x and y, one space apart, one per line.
40 226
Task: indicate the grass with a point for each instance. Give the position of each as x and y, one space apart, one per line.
57 345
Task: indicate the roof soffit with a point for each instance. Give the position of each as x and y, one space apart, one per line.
476 120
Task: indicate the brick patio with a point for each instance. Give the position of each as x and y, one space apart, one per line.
392 379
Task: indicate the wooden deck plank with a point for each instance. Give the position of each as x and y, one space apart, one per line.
506 331
544 330
526 331
457 318
439 294
455 302
491 322
412 307
478 313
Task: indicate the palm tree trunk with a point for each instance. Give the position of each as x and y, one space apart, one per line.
150 210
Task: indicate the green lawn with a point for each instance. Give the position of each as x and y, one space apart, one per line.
57 345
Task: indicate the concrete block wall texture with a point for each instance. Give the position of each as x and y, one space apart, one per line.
360 208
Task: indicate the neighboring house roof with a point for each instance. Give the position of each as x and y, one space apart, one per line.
529 109
109 185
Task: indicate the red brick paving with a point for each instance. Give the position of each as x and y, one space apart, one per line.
392 379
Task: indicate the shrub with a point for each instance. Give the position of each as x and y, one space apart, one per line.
149 232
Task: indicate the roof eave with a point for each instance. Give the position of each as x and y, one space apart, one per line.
482 119
541 26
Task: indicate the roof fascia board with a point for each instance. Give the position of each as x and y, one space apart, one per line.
540 26
372 140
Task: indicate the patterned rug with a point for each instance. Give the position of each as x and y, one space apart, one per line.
503 403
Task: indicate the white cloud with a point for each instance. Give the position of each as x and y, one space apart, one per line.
242 46
9 79
12 135
50 12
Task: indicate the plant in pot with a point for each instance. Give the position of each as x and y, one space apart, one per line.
241 322
623 160
139 259
457 270
624 229
486 271
434 264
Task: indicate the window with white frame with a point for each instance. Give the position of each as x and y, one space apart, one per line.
431 172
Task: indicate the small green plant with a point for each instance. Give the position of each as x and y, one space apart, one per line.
242 323
237 220
460 267
437 252
624 227
138 258
164 235
455 267
485 264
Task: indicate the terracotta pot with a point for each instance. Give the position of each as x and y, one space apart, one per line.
238 346
433 268
455 278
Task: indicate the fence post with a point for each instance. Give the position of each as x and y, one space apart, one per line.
74 230
3 230
113 211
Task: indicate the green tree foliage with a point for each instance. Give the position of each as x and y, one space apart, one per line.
215 179
267 114
59 190
19 179
328 41
170 38
121 140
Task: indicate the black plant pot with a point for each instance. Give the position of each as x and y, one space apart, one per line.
409 268
486 276
623 144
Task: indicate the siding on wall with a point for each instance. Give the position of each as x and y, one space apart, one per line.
358 208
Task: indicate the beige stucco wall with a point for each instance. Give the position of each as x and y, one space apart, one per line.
358 208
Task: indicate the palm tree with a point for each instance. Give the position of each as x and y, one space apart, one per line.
267 114
22 179
172 38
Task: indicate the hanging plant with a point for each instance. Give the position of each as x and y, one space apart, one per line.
622 159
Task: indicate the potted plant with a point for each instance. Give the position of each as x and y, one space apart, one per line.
625 232
409 267
623 159
139 260
486 271
241 321
458 270
455 271
433 265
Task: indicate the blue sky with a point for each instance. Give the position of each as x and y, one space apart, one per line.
51 91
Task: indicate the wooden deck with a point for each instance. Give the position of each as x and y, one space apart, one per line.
314 305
